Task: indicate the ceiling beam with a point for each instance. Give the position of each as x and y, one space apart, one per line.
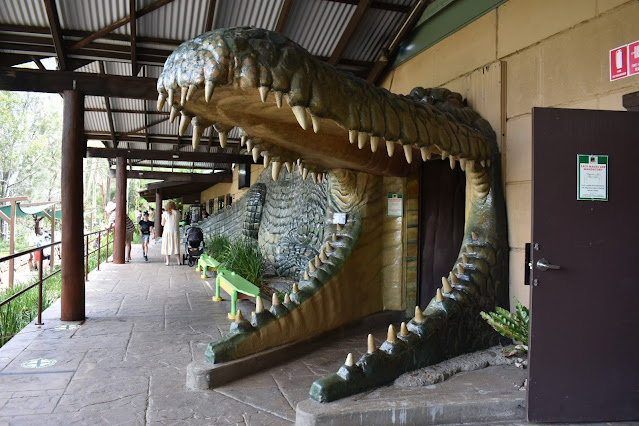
107 102
106 30
210 14
129 111
356 18
145 127
284 13
176 176
56 32
379 5
200 157
27 80
393 44
154 138
132 19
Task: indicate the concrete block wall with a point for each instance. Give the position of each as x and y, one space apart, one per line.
553 54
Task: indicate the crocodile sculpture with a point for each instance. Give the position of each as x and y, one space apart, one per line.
332 130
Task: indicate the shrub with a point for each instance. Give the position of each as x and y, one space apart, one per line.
514 326
244 258
218 248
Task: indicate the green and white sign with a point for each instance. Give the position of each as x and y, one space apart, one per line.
592 177
395 205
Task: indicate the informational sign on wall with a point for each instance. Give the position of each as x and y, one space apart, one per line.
592 177
624 61
395 205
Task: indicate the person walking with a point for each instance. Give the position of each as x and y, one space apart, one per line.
146 228
129 228
171 233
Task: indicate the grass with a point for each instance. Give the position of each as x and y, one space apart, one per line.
241 256
218 248
15 315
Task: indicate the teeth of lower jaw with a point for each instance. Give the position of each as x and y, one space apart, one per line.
277 167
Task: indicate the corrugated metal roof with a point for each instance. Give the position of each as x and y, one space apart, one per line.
24 12
243 13
373 32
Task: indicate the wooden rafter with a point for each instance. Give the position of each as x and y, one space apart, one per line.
56 32
379 5
145 127
127 111
356 18
210 15
200 157
153 138
107 102
174 176
284 13
106 30
132 20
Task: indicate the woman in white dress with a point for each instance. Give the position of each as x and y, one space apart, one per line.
171 232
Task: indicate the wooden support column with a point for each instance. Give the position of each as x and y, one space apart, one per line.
52 260
158 213
120 210
73 296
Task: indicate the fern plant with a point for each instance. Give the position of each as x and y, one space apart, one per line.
514 326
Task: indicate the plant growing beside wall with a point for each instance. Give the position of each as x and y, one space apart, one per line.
514 326
241 256
218 248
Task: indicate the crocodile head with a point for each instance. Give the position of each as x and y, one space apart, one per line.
294 110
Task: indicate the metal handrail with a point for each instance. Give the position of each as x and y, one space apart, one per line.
42 279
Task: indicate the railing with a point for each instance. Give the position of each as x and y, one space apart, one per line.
41 279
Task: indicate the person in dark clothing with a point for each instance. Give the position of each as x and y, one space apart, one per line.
146 227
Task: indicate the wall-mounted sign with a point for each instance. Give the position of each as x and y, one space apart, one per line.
395 205
339 218
624 61
592 177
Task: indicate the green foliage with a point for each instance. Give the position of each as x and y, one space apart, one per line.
514 326
244 258
218 248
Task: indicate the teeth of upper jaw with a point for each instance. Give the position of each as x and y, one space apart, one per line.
425 151
161 101
191 92
408 152
263 93
390 148
185 120
300 115
174 113
197 135
249 145
171 96
361 139
277 167
316 123
183 96
374 143
462 164
451 159
352 136
223 138
256 154
304 173
278 99
289 166
267 159
243 140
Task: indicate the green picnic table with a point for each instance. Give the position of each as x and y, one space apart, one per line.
233 284
206 262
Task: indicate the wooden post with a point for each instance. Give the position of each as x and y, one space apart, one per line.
158 213
120 210
12 240
73 296
52 251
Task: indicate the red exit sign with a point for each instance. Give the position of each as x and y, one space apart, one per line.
624 61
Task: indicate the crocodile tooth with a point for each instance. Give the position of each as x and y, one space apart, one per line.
311 266
446 285
469 248
349 360
300 115
318 261
208 91
197 135
263 93
223 136
314 176
408 152
174 113
295 288
374 143
161 101
278 98
316 123
243 139
277 167
334 237
352 136
419 316
323 257
259 306
452 161
403 330
306 276
300 168
267 159
483 163
185 120
287 298
488 162
304 173
339 227
454 279
460 268
444 155
465 258
391 336
471 165
191 92
183 91
329 247
361 139
171 97
239 317
439 297
371 344
390 148
474 235
425 153
275 301
289 166
249 145
256 154
462 164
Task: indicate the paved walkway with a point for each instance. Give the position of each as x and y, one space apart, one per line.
126 363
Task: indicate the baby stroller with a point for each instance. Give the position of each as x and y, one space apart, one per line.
194 245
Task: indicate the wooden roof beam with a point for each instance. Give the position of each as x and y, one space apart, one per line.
284 13
175 176
210 15
107 102
56 32
379 5
132 20
356 18
200 157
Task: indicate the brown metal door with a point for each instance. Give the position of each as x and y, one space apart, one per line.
584 343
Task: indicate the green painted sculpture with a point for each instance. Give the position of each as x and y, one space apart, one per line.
335 129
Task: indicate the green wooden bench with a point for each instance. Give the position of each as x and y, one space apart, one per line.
233 284
206 262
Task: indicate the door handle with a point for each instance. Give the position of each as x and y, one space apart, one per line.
543 265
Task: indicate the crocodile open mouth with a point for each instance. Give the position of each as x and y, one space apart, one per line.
344 132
